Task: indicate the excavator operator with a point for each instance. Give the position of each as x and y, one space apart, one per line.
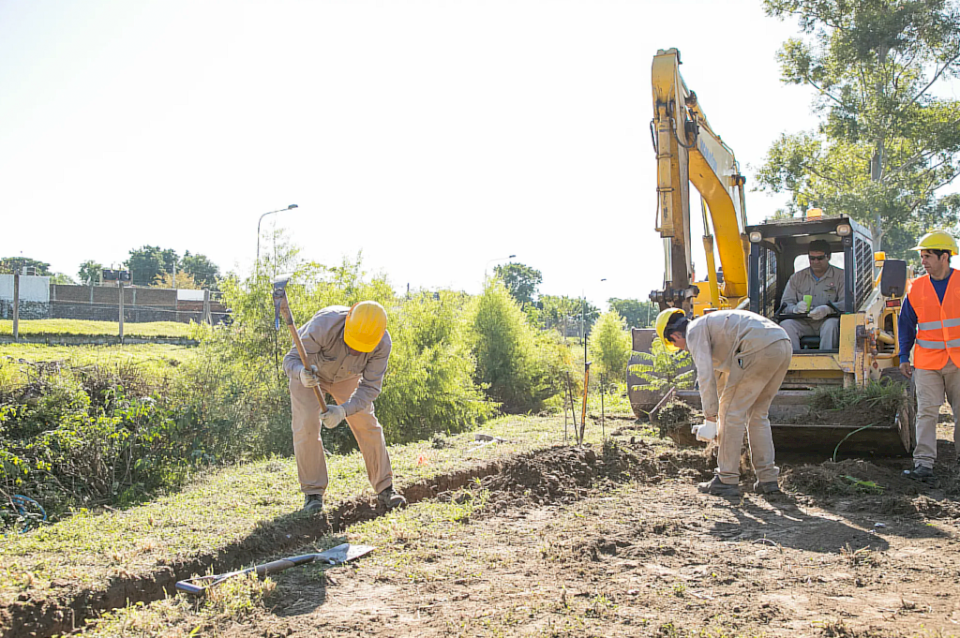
809 292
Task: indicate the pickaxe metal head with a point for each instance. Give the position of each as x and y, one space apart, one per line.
280 298
280 281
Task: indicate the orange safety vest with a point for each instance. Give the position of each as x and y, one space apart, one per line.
938 325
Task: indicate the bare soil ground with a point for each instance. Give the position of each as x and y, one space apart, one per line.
619 542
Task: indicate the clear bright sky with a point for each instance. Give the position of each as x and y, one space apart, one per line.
435 136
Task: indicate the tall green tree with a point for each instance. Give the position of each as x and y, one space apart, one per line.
148 263
637 314
521 281
90 271
11 265
509 360
568 315
886 142
203 271
611 344
62 279
559 312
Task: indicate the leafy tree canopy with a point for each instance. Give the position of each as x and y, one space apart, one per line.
184 281
886 143
12 265
203 271
149 262
90 271
611 344
637 314
62 279
521 281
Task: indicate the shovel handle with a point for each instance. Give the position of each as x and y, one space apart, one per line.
281 297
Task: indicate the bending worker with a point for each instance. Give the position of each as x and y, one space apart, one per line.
741 360
930 318
823 283
348 350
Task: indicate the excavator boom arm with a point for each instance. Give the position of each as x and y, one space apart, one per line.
688 151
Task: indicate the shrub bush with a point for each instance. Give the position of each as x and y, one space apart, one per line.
611 344
429 384
519 368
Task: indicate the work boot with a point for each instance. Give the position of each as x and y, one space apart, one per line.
920 473
390 499
767 487
313 503
718 488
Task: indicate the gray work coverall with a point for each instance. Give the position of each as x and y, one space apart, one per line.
354 381
827 288
741 360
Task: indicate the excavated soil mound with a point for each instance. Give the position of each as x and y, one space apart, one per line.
563 475
851 476
876 488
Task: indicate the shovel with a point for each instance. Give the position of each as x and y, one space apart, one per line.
336 556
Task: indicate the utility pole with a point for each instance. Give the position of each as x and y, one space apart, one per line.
120 286
206 306
16 306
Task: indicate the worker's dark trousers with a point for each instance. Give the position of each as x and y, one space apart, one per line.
745 397
308 448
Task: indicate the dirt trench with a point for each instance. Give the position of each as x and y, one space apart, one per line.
556 475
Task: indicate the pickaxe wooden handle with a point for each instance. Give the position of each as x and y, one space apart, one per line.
280 300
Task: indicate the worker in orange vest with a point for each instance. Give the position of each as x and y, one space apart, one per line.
930 325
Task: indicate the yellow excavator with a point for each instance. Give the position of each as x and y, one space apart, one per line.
756 261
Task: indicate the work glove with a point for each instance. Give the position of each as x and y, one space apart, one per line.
820 312
309 378
707 431
333 416
801 307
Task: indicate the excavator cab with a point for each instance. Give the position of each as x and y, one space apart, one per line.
867 349
778 250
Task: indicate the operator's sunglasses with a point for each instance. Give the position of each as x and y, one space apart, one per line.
817 257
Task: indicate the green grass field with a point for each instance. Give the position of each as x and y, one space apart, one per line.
153 359
98 328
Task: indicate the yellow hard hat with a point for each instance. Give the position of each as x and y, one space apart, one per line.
662 320
937 240
366 323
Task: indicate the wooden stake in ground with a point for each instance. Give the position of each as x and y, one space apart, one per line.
603 425
586 386
573 409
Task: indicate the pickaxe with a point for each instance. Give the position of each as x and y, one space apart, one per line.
283 309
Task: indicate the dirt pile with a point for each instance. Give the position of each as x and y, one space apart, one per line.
564 475
851 476
874 404
876 487
674 421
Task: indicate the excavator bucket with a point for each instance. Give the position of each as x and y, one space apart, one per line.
797 428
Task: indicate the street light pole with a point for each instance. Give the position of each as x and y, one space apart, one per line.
493 260
280 210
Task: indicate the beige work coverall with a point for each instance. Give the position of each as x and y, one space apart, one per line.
741 360
827 288
354 381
